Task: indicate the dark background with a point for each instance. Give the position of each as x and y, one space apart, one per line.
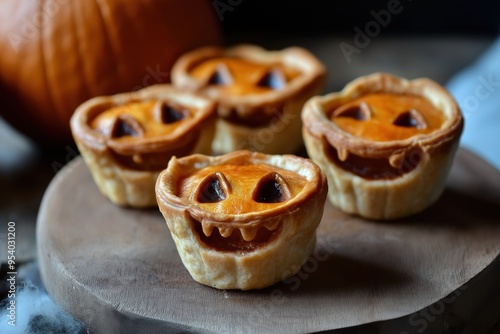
322 16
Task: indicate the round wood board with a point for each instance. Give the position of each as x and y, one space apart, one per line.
118 269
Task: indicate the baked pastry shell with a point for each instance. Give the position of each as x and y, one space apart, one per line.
124 185
431 154
283 134
280 258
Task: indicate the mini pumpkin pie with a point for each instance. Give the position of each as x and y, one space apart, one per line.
385 143
127 139
244 220
260 93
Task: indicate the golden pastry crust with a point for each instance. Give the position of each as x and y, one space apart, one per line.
125 167
262 120
385 179
228 244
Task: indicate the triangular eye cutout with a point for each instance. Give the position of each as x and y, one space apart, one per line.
272 188
214 188
359 112
166 113
126 125
273 79
410 119
221 76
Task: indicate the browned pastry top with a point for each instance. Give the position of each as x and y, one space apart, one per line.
237 76
144 119
238 189
388 117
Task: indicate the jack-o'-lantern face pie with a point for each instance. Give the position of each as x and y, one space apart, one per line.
127 139
385 143
244 220
255 89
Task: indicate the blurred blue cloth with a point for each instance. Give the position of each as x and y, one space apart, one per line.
477 91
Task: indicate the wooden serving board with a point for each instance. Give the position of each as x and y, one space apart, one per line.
118 269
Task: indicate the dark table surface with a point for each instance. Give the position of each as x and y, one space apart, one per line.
26 170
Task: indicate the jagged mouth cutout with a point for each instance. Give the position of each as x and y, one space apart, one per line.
229 237
373 168
235 241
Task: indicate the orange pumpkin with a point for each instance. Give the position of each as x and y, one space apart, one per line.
58 53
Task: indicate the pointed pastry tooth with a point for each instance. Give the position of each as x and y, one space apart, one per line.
366 110
396 160
272 225
249 233
137 158
207 228
342 154
158 112
225 231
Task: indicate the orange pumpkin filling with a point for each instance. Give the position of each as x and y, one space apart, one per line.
140 119
384 117
388 117
239 189
238 186
236 76
134 121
